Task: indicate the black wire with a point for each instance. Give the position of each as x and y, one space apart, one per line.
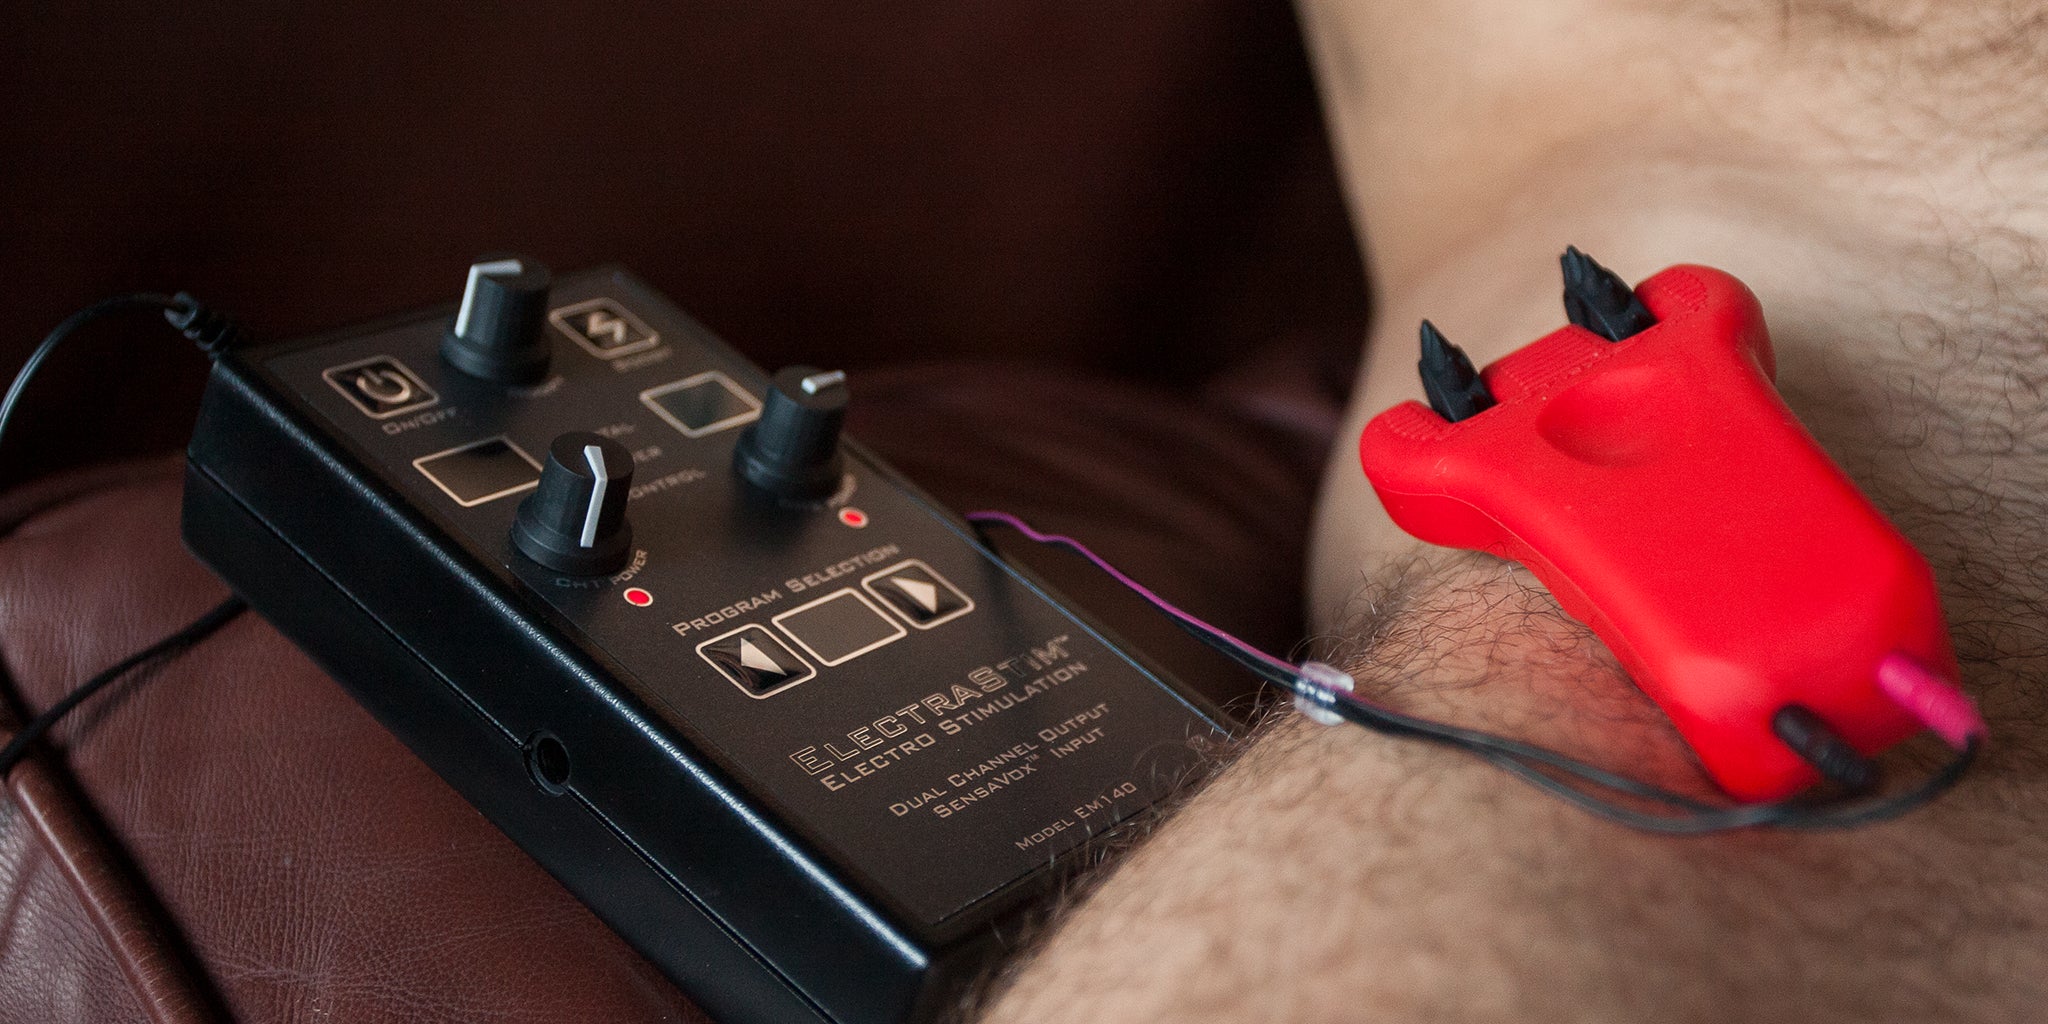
214 333
199 629
102 308
1542 767
1528 762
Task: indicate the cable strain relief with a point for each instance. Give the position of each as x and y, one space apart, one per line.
1820 746
1317 697
213 331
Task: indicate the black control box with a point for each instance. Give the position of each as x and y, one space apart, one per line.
781 721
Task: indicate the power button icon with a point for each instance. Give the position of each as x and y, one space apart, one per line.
380 386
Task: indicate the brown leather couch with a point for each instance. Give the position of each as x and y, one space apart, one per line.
1104 245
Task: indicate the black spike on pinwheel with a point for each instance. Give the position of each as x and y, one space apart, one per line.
1453 386
1598 300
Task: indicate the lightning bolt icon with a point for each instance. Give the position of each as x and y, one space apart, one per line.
600 325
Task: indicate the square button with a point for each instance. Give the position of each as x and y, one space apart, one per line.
604 328
382 387
917 592
754 660
839 627
704 404
480 471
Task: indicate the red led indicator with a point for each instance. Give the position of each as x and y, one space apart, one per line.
853 517
638 597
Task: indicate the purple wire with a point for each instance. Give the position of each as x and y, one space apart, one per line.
1019 525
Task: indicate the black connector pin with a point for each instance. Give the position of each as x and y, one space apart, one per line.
1823 748
1598 300
1453 386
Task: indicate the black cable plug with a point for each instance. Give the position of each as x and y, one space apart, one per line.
214 331
1823 748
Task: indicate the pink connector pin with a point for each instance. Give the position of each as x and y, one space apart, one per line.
1935 701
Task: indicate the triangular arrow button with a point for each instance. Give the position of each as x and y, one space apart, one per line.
751 657
921 596
925 594
755 660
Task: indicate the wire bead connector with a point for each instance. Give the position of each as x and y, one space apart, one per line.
1317 697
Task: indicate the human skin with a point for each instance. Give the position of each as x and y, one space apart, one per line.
1878 174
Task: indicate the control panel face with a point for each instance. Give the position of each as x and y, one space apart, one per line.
933 721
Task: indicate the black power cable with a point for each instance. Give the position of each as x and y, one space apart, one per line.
214 334
169 647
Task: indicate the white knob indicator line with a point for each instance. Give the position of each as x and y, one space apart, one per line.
595 456
477 270
820 381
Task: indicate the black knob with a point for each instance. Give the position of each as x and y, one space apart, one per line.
792 451
575 521
497 333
